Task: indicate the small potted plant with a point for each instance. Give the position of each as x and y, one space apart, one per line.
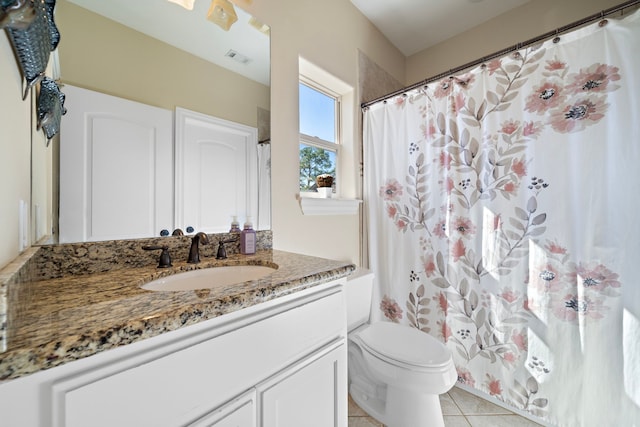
325 185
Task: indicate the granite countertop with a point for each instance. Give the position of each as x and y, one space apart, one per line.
55 321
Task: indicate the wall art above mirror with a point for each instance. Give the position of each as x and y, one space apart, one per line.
33 34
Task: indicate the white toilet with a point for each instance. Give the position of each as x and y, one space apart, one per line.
396 372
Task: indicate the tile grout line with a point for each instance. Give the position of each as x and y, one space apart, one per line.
459 408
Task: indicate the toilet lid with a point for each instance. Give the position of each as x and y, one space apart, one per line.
405 344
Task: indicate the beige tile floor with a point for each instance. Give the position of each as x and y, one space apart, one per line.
460 409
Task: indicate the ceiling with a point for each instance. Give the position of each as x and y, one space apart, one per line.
414 25
411 25
192 32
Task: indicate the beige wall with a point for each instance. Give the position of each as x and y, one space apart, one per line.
15 165
518 25
102 55
328 34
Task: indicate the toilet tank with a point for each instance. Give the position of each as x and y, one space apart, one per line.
359 289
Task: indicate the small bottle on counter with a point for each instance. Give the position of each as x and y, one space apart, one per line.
235 225
248 238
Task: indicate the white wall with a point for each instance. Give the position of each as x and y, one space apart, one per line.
15 165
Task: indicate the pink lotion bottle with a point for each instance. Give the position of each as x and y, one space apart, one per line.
248 238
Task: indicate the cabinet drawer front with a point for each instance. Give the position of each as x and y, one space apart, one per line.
181 386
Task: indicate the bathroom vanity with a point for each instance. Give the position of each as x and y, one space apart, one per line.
269 352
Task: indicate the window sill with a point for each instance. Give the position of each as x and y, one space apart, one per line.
321 206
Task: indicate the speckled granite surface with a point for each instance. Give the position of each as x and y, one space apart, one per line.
57 320
54 261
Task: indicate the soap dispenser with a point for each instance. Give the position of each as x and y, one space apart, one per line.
235 225
248 238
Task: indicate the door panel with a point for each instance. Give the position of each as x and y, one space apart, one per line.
116 168
216 171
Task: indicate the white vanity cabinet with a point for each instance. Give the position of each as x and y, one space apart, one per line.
281 363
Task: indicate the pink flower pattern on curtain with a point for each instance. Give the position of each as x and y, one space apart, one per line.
495 221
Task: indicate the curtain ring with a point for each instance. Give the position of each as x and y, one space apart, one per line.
603 20
557 37
516 54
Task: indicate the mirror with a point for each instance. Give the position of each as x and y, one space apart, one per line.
157 53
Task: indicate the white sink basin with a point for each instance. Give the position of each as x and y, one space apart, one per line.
208 278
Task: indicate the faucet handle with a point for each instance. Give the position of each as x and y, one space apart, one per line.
222 252
165 258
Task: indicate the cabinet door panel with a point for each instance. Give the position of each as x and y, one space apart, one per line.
312 394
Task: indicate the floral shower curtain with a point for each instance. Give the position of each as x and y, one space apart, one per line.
502 210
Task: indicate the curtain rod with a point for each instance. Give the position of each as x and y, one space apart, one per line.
502 52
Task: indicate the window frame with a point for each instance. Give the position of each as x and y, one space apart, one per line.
317 142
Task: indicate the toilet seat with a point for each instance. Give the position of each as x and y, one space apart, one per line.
404 346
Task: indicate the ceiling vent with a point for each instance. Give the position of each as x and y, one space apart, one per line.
238 57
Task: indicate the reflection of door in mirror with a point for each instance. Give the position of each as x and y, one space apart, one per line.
116 168
216 171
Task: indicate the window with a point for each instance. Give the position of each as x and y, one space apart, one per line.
319 134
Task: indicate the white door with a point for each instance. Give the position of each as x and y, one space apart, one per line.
216 171
313 394
116 168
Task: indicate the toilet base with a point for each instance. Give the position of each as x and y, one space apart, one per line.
401 408
372 405
410 409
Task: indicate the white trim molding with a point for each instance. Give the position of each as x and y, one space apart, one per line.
321 206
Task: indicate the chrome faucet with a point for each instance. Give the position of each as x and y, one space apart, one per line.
194 252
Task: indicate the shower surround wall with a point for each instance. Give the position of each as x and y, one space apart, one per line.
501 205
